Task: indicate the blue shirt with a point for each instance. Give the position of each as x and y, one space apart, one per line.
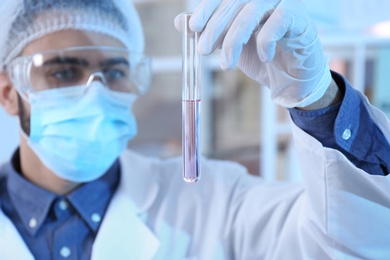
53 226
348 128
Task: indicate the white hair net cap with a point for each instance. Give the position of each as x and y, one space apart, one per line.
23 21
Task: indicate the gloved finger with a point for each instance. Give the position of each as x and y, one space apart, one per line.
241 30
202 14
217 26
274 29
178 22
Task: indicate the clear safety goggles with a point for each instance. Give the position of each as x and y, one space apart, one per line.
117 68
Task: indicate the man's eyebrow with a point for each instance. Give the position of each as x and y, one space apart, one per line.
114 61
66 60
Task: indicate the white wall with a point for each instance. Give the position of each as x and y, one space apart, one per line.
9 135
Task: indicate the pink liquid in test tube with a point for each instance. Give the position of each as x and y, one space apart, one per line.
191 153
191 104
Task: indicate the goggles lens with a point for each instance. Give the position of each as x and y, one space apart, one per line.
118 69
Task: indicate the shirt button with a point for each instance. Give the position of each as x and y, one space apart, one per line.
347 134
33 223
63 205
65 252
96 218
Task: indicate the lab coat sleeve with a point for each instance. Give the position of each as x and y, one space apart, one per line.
340 211
349 207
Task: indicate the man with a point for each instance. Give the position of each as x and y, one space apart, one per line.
71 71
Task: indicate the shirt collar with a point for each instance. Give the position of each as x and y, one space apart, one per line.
91 199
31 202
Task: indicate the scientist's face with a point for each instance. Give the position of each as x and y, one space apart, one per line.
55 41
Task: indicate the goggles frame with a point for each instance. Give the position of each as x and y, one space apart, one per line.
19 69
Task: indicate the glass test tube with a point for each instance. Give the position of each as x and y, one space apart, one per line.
191 104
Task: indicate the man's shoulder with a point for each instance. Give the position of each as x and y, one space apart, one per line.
149 180
171 169
176 161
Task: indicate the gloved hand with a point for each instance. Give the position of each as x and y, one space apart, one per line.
272 41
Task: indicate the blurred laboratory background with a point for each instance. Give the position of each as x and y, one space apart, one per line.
239 122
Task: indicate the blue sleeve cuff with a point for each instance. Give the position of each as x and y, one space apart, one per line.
348 128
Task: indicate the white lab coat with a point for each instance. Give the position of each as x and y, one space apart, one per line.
339 212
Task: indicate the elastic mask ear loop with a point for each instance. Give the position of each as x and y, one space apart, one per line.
22 133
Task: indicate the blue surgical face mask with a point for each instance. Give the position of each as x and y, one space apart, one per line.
79 132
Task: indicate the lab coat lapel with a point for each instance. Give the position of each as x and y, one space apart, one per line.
123 234
12 245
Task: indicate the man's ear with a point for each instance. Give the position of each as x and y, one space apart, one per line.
8 95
